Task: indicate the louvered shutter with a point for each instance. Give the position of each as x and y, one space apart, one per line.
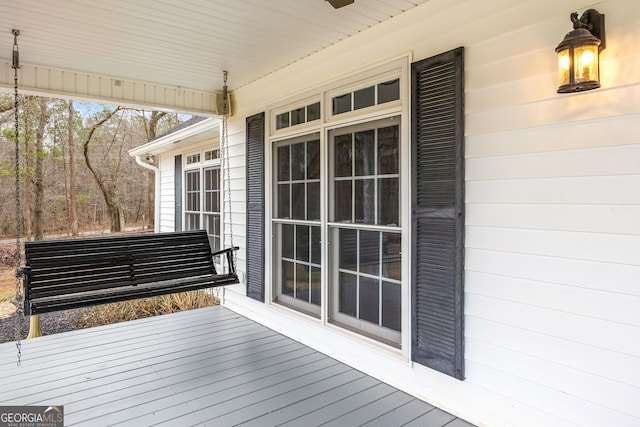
438 212
177 179
255 207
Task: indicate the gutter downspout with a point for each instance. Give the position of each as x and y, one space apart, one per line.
156 208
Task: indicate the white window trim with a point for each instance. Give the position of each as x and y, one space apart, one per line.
399 67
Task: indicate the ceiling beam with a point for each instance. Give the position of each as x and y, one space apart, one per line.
69 84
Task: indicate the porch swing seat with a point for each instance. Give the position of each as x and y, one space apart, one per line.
66 274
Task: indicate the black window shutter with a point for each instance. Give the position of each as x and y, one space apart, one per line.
438 212
255 207
177 179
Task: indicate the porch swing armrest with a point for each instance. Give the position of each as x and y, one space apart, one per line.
229 253
220 252
24 273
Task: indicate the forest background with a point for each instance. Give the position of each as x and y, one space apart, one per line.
74 170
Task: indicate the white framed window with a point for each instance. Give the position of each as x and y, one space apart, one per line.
203 195
365 228
296 220
337 217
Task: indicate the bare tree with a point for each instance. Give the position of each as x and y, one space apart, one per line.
107 187
73 203
38 206
151 182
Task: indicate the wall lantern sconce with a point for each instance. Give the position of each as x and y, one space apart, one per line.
578 53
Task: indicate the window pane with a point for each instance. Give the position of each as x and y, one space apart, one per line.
388 201
208 201
283 163
315 245
212 225
315 286
369 252
369 297
283 201
215 201
313 159
282 120
302 242
209 224
302 282
211 179
389 91
391 307
216 225
287 240
297 116
343 201
364 98
288 278
365 202
192 221
349 249
365 153
298 201
342 103
195 202
343 155
313 112
347 294
298 161
388 154
313 201
391 256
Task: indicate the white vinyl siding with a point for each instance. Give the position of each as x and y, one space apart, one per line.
552 236
166 204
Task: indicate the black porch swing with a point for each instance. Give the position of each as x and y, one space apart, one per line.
65 274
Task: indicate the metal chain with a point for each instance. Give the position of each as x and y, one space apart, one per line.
19 296
225 141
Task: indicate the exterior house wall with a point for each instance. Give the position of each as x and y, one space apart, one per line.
552 268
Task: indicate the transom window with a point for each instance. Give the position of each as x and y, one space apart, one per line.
380 93
211 155
193 158
298 116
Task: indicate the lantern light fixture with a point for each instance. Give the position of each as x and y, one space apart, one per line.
579 53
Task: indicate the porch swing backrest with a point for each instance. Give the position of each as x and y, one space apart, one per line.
65 274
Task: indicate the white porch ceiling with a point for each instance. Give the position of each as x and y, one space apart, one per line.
170 53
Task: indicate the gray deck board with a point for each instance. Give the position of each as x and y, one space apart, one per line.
401 415
203 367
435 418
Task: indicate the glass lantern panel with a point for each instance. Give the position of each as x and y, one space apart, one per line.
586 63
564 65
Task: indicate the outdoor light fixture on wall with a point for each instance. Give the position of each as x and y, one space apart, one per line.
578 53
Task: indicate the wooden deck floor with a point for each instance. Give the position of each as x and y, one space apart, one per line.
203 367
